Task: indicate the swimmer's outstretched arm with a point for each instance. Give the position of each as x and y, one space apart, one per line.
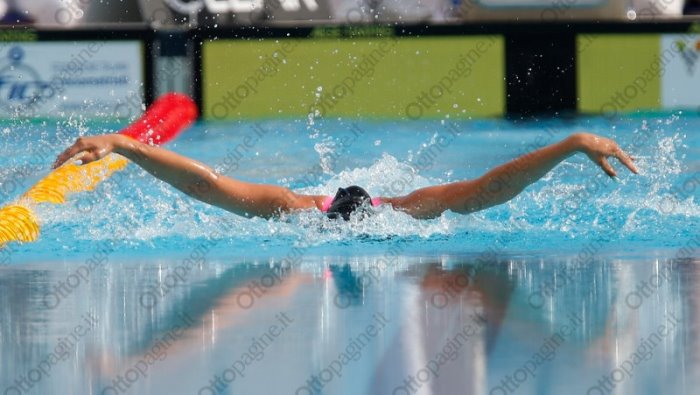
506 181
193 178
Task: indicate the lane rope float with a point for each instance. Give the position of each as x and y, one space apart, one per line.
164 120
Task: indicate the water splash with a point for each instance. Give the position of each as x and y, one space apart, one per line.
575 202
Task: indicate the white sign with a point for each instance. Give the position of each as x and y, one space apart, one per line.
58 79
680 61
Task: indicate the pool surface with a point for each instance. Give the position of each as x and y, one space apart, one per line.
582 284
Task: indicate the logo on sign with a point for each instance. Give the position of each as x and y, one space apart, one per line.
20 84
690 54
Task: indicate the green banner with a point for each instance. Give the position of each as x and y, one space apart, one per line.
376 77
618 73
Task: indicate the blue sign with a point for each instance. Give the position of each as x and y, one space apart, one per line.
20 84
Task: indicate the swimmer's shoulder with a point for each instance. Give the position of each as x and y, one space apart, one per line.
305 202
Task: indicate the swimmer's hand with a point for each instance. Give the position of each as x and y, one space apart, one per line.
89 149
599 149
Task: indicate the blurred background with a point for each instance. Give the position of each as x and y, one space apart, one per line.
550 56
69 13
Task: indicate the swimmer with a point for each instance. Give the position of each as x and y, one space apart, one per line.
199 181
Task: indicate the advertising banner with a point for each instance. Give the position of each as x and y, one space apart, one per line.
54 79
681 78
327 75
627 72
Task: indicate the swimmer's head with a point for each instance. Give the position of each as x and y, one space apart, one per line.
347 201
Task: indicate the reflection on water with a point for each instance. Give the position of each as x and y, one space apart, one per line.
338 325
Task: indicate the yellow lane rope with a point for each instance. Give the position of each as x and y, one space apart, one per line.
18 221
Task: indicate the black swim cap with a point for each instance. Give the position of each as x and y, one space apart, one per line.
346 201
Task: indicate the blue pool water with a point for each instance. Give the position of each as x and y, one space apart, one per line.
135 288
